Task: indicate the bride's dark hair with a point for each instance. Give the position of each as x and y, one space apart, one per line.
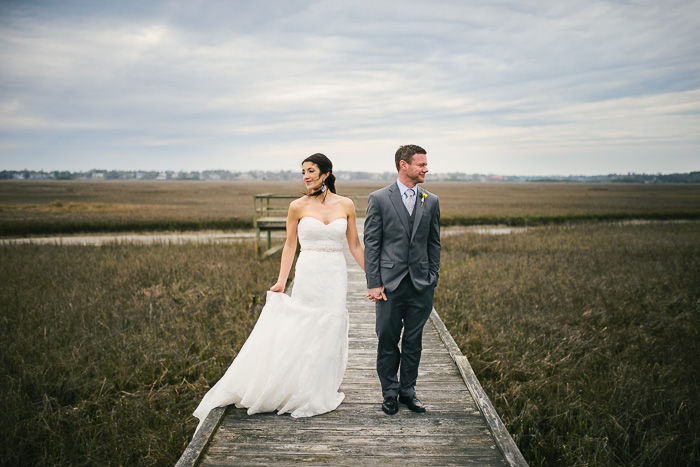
325 166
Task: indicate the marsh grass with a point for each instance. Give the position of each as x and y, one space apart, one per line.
40 208
586 338
107 350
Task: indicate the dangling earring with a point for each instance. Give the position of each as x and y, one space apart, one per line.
323 186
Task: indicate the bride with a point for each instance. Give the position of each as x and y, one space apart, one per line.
295 357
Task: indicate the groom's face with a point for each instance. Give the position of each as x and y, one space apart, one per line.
416 170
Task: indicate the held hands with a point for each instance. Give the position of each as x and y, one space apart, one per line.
376 293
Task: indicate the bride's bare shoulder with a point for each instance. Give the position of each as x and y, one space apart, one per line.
298 202
297 206
347 201
347 204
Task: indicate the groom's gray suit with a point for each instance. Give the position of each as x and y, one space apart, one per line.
402 253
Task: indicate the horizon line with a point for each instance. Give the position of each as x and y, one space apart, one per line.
351 172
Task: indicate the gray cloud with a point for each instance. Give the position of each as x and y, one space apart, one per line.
505 87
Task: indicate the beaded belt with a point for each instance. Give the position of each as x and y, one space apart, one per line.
327 249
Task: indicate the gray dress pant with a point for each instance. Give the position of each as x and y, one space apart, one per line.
408 309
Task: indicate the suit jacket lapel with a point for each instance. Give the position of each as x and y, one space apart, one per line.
419 211
396 200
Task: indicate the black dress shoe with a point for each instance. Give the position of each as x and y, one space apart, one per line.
390 406
412 403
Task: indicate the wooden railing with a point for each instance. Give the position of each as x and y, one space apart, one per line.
270 215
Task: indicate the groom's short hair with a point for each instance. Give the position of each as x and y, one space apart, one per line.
406 153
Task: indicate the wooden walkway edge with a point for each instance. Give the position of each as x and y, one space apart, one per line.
460 426
504 441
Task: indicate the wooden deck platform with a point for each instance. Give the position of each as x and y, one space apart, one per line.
460 426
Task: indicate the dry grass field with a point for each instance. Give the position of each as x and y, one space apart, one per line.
548 203
586 338
106 351
584 335
28 208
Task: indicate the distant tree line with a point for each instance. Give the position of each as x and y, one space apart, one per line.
289 175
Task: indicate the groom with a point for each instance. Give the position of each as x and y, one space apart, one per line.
402 260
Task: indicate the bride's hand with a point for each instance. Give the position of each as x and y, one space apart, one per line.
376 294
278 287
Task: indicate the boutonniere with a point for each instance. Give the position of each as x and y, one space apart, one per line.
423 195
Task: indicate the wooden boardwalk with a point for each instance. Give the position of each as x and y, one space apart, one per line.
459 427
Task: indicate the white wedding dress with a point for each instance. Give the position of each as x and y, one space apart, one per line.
295 357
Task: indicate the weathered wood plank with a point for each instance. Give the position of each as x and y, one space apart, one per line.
345 460
503 439
200 441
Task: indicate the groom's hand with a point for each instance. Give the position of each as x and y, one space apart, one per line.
376 293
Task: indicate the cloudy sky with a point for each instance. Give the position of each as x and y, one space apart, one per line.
511 87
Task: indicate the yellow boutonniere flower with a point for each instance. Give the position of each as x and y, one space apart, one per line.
423 195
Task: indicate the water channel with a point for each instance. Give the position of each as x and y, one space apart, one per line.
209 236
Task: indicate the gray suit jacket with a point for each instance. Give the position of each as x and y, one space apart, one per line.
391 250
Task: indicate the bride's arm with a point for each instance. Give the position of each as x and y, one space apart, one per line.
290 246
353 237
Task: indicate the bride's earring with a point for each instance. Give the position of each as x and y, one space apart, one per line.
323 186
